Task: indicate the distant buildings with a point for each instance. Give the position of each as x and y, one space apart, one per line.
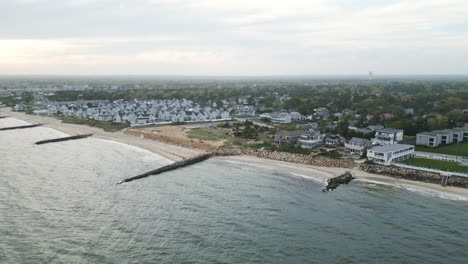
385 155
357 146
442 137
245 110
139 112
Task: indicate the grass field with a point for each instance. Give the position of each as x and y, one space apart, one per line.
209 133
108 126
448 149
436 164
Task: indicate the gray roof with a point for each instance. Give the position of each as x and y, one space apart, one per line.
358 141
391 148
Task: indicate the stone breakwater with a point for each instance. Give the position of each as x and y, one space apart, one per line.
286 156
414 175
333 183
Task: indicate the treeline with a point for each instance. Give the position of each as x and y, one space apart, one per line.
414 105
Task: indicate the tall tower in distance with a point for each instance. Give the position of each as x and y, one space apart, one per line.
371 76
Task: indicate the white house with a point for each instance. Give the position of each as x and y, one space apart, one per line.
310 139
282 118
385 155
387 136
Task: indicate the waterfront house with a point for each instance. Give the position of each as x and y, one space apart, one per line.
386 155
335 140
284 137
357 146
387 136
281 118
310 139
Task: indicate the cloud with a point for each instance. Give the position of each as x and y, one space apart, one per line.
234 37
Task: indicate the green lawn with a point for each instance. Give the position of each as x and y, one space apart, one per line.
436 164
108 126
447 149
209 133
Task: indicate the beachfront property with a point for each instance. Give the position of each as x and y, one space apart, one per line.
387 136
139 112
284 137
335 140
442 137
357 146
310 139
386 155
281 118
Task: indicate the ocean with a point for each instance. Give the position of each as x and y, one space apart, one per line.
59 203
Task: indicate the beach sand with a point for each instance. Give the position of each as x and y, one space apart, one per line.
177 153
172 152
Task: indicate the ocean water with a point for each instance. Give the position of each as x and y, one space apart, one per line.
59 203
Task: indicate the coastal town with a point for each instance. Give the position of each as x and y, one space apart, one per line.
321 131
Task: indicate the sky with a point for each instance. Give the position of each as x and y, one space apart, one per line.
233 37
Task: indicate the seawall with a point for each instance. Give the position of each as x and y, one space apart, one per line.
413 175
286 156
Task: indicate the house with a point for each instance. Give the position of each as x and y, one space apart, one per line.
20 107
357 146
387 136
321 113
284 137
310 139
296 116
442 137
385 155
245 110
281 118
335 140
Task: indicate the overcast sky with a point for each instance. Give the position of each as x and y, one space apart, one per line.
233 37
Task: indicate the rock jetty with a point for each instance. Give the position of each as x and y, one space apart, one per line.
333 183
20 127
173 166
62 139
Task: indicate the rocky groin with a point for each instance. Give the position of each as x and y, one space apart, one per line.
286 156
333 183
173 166
62 139
20 127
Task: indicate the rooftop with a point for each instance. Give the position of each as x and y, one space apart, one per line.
391 148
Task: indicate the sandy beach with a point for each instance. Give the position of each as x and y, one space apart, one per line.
168 151
177 153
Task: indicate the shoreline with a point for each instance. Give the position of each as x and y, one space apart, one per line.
178 153
171 152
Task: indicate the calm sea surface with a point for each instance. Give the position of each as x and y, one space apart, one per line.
59 203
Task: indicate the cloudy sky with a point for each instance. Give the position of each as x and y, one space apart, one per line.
233 37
